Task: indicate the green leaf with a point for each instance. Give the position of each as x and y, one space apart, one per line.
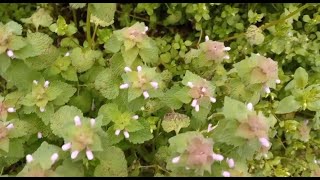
183 95
21 75
43 153
63 118
174 122
107 84
109 112
67 92
133 93
287 105
4 144
112 163
46 59
47 114
139 137
150 55
82 101
300 78
70 74
4 63
233 109
113 44
40 18
117 64
102 14
14 27
70 168
83 60
170 99
130 55
16 43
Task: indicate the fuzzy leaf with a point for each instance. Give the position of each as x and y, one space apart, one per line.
112 163
107 84
287 105
102 14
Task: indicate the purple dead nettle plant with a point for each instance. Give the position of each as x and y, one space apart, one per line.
140 80
198 154
82 139
198 91
214 50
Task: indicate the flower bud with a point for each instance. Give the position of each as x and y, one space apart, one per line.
10 126
77 121
126 134
89 154
226 174
29 158
145 94
66 146
11 110
74 154
54 157
117 132
175 160
127 69
124 86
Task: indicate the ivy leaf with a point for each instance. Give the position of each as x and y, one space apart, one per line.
102 14
107 84
287 105
112 163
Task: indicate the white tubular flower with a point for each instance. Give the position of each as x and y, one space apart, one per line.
126 134
92 122
77 121
145 94
74 154
67 54
197 108
35 82
278 81
10 53
127 69
10 126
213 100
66 146
135 117
250 106
46 84
154 84
227 48
217 157
54 157
206 38
227 57
175 160
203 89
42 109
89 154
190 84
39 135
11 110
146 29
230 162
117 132
264 142
210 127
124 86
226 174
194 102
139 68
187 168
267 89
29 158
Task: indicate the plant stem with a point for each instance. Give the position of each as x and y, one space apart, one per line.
200 37
74 17
88 26
94 34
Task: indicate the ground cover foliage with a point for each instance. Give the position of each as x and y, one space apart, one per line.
159 89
